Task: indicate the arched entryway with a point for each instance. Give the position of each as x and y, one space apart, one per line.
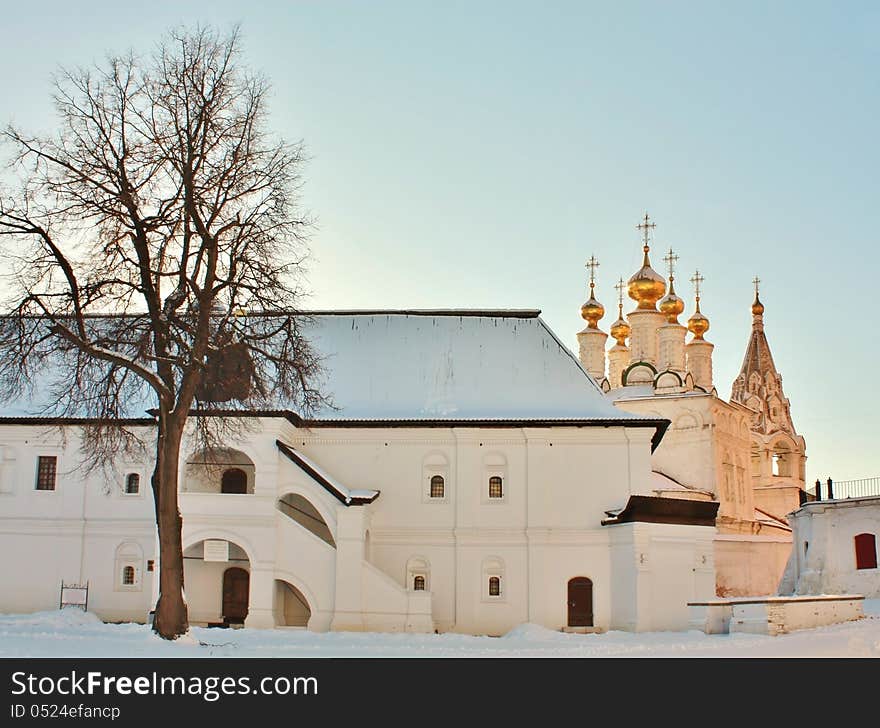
236 591
580 602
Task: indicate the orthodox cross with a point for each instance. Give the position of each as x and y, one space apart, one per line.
697 280
592 264
670 259
645 226
757 282
620 285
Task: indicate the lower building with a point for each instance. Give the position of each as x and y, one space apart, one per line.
470 477
835 548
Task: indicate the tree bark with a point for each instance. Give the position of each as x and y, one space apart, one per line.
171 618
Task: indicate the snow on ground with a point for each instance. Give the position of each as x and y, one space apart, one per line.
73 633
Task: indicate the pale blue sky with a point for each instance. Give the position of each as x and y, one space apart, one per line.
476 154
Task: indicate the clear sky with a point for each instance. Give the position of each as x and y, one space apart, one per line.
470 154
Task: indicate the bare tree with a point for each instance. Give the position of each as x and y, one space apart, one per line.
155 250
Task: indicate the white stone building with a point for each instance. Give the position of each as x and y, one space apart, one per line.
470 477
743 452
835 548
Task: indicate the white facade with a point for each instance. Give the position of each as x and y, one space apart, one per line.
835 548
340 522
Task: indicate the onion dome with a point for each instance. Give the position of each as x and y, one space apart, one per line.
698 324
671 305
620 329
592 310
647 286
758 307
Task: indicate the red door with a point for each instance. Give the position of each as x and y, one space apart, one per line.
580 602
236 587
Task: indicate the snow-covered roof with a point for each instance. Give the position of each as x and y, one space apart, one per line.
452 365
455 365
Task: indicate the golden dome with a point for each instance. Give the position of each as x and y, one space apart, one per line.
592 310
647 286
698 324
757 307
671 305
620 329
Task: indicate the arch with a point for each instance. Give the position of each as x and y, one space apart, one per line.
128 562
205 471
300 509
638 377
292 606
132 484
493 578
315 500
304 589
418 567
668 378
580 602
686 421
234 480
866 551
236 595
221 535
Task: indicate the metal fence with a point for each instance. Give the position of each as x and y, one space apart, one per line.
861 488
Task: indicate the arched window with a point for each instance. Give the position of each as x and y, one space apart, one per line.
132 484
234 481
128 575
494 586
495 487
866 551
418 571
438 487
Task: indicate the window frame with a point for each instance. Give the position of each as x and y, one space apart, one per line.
490 482
125 491
415 582
442 487
54 489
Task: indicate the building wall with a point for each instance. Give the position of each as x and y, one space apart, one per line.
823 558
544 530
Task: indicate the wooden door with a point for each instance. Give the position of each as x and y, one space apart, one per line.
580 602
236 587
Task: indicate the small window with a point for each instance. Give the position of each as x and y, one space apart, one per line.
128 576
151 565
419 583
494 585
234 481
438 487
495 488
46 468
866 551
132 484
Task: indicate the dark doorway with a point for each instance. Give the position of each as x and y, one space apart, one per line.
580 602
236 587
234 481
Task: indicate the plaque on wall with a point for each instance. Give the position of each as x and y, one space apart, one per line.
216 550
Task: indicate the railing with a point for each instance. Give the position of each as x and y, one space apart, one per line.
862 488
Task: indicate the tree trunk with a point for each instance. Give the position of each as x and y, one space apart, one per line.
170 619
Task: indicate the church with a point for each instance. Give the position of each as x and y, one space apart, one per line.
470 476
743 453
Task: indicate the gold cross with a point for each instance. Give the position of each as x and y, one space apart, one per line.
697 281
670 259
757 282
645 227
620 286
592 264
